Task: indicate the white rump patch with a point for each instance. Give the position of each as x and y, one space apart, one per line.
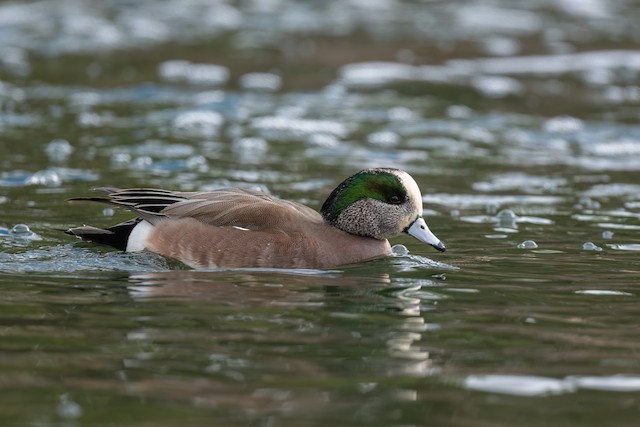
138 238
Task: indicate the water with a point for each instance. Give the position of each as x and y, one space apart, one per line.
518 121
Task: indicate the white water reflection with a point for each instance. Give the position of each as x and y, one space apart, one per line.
603 292
481 200
405 341
528 385
518 385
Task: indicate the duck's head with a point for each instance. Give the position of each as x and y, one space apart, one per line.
379 203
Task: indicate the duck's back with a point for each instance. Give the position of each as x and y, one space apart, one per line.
248 209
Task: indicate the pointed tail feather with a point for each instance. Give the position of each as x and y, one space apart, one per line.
116 236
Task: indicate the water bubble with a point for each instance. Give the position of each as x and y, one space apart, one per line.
89 119
197 162
20 229
67 408
58 150
590 246
45 177
22 232
527 244
399 250
588 203
142 162
121 158
607 234
506 218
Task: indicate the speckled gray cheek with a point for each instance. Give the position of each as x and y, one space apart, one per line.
372 218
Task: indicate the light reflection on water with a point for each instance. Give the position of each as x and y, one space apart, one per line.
517 126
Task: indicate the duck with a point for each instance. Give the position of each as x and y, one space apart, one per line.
240 228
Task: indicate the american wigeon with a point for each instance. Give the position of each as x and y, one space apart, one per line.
241 228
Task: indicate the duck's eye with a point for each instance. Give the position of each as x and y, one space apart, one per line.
395 200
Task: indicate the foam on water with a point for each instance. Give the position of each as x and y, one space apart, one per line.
47 259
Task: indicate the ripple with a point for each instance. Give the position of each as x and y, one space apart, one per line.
546 65
521 181
480 200
178 71
563 124
527 385
617 226
620 383
518 385
261 82
613 189
375 74
620 148
69 258
295 129
626 246
497 86
200 123
490 19
52 177
603 292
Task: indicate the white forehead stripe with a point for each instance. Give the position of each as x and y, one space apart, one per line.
412 189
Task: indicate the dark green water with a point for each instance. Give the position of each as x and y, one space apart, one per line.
518 121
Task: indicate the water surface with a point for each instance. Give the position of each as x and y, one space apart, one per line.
519 123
